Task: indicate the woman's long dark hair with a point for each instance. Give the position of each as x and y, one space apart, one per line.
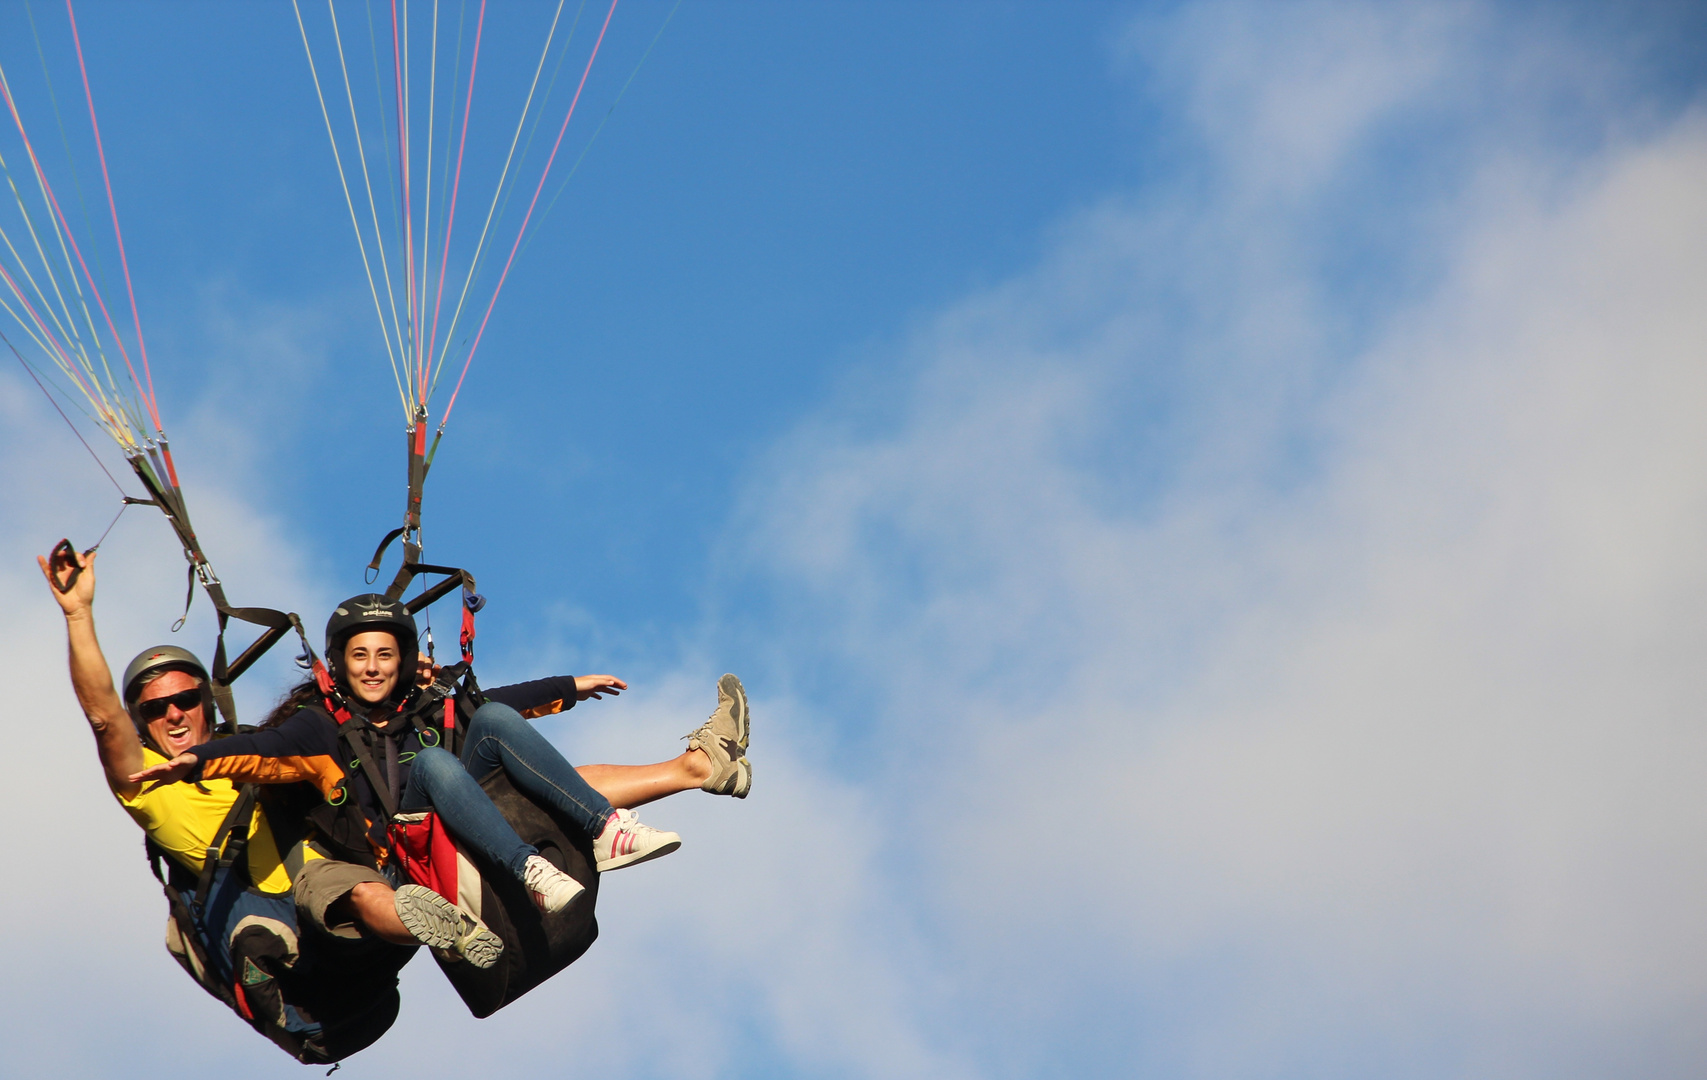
305 693
308 693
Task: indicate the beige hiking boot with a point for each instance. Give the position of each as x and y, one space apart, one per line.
724 740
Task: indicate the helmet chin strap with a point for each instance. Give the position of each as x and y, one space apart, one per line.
147 738
342 702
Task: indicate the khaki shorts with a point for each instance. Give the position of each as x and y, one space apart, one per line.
322 883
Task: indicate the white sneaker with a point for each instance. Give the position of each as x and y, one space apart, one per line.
440 924
625 842
552 890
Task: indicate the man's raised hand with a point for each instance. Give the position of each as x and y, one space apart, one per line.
80 596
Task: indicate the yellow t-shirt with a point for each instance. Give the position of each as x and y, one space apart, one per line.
183 818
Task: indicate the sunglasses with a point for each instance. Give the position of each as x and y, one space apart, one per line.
154 708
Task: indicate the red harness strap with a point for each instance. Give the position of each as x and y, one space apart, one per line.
467 632
329 692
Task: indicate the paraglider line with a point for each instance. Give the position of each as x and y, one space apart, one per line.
427 202
478 259
112 206
53 201
344 182
98 462
450 138
123 506
77 187
456 186
62 356
408 210
110 418
83 210
526 218
64 140
539 118
367 181
575 168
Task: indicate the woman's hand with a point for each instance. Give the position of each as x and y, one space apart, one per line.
597 686
167 772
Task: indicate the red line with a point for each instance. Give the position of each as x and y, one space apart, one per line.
141 346
456 185
172 472
53 201
50 400
64 354
531 204
403 168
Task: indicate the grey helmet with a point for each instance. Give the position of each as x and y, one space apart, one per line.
157 661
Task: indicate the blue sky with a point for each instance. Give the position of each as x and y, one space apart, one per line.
1206 498
783 190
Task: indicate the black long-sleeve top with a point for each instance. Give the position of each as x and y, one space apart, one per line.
307 748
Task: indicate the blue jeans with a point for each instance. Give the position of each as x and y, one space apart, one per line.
499 737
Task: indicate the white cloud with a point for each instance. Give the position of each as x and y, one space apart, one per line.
1283 93
1360 736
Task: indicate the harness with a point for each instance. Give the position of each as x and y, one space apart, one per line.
431 712
242 947
229 844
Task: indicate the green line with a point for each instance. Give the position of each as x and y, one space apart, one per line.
510 191
450 139
64 141
539 221
384 127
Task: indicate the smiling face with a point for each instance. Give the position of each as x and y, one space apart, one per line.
179 729
371 663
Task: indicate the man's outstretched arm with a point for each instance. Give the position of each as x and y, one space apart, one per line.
116 740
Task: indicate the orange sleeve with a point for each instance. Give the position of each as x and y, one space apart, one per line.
543 710
319 770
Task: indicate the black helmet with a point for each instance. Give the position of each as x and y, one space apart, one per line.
157 661
371 611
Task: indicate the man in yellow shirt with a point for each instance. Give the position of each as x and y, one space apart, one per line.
236 934
182 820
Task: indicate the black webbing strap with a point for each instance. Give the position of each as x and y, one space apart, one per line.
468 699
410 530
224 673
224 849
379 553
454 576
277 624
185 920
352 738
428 735
297 857
444 709
152 468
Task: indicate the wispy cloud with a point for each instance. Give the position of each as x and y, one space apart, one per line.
1295 684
